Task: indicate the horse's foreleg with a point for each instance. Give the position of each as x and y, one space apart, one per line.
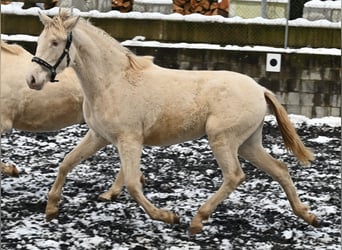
233 175
89 145
256 154
130 153
9 169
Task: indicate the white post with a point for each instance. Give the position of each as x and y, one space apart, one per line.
264 8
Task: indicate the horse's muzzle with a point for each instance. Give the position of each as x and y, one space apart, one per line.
32 83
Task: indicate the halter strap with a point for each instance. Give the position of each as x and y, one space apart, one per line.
53 68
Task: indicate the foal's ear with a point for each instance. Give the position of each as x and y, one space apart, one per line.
44 18
71 23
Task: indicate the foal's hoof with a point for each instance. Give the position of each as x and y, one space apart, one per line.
10 170
52 214
107 196
104 197
320 223
167 217
196 224
15 172
176 219
315 221
195 229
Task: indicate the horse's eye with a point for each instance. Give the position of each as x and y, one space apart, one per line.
54 43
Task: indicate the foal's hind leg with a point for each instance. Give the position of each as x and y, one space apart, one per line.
89 145
116 187
253 151
226 156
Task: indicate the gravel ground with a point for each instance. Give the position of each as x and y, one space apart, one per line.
181 177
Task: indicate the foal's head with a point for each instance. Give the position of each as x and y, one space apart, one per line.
54 49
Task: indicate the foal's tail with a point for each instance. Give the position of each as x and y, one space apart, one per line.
288 132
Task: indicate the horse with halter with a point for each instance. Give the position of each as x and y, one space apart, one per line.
130 102
56 107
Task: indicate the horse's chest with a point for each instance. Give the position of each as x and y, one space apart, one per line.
97 119
109 122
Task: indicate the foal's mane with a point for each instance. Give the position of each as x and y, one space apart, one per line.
135 62
12 49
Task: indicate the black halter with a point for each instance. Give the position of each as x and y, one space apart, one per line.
53 68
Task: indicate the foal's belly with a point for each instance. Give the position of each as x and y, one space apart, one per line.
164 138
173 130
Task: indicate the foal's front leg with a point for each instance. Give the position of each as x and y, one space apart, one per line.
89 145
130 152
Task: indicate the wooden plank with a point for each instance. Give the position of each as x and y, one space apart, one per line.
192 32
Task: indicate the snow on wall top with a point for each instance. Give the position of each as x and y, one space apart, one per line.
139 42
323 4
154 1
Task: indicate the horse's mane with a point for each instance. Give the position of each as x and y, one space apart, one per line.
57 24
139 62
135 62
13 49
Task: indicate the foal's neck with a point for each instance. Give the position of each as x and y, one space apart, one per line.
99 61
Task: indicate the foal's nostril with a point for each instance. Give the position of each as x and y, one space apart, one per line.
33 80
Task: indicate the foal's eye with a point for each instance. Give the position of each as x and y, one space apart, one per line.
54 43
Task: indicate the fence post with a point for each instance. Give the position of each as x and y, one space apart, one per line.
264 8
287 24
